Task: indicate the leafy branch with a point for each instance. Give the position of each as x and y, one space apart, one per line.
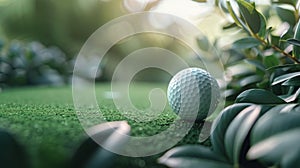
261 128
276 48
254 23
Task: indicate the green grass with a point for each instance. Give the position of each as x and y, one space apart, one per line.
44 121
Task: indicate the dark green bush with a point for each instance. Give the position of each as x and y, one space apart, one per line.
32 63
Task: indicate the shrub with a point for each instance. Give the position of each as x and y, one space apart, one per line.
32 64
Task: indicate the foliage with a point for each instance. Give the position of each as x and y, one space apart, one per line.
12 154
261 128
265 49
91 155
32 64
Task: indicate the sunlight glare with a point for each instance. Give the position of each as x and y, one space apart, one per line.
136 5
186 9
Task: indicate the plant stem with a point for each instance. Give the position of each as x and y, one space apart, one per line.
286 54
296 13
276 49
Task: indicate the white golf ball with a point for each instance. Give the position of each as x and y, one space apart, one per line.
193 93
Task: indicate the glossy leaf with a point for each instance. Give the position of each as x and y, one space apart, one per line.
246 81
291 2
283 108
223 6
263 31
236 18
230 93
221 124
228 26
294 42
113 135
285 77
192 156
286 67
271 61
241 69
286 15
296 49
244 130
238 130
292 82
293 97
194 163
258 96
278 119
251 15
245 43
281 148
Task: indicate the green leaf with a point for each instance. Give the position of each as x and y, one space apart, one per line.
200 0
258 96
263 26
281 148
245 43
238 130
277 40
113 135
223 6
203 43
230 93
196 151
221 124
247 5
249 80
290 98
286 15
294 42
296 49
274 121
192 156
292 82
250 15
291 2
228 26
233 14
285 77
271 61
236 18
257 64
285 67
241 69
194 163
244 130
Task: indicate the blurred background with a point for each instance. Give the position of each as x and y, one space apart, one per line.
39 39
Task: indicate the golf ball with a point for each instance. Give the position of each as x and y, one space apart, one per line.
193 94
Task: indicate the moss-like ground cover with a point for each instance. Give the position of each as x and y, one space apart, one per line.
44 121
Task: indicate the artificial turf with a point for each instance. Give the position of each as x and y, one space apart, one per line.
44 121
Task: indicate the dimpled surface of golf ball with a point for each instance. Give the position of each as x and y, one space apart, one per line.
194 93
